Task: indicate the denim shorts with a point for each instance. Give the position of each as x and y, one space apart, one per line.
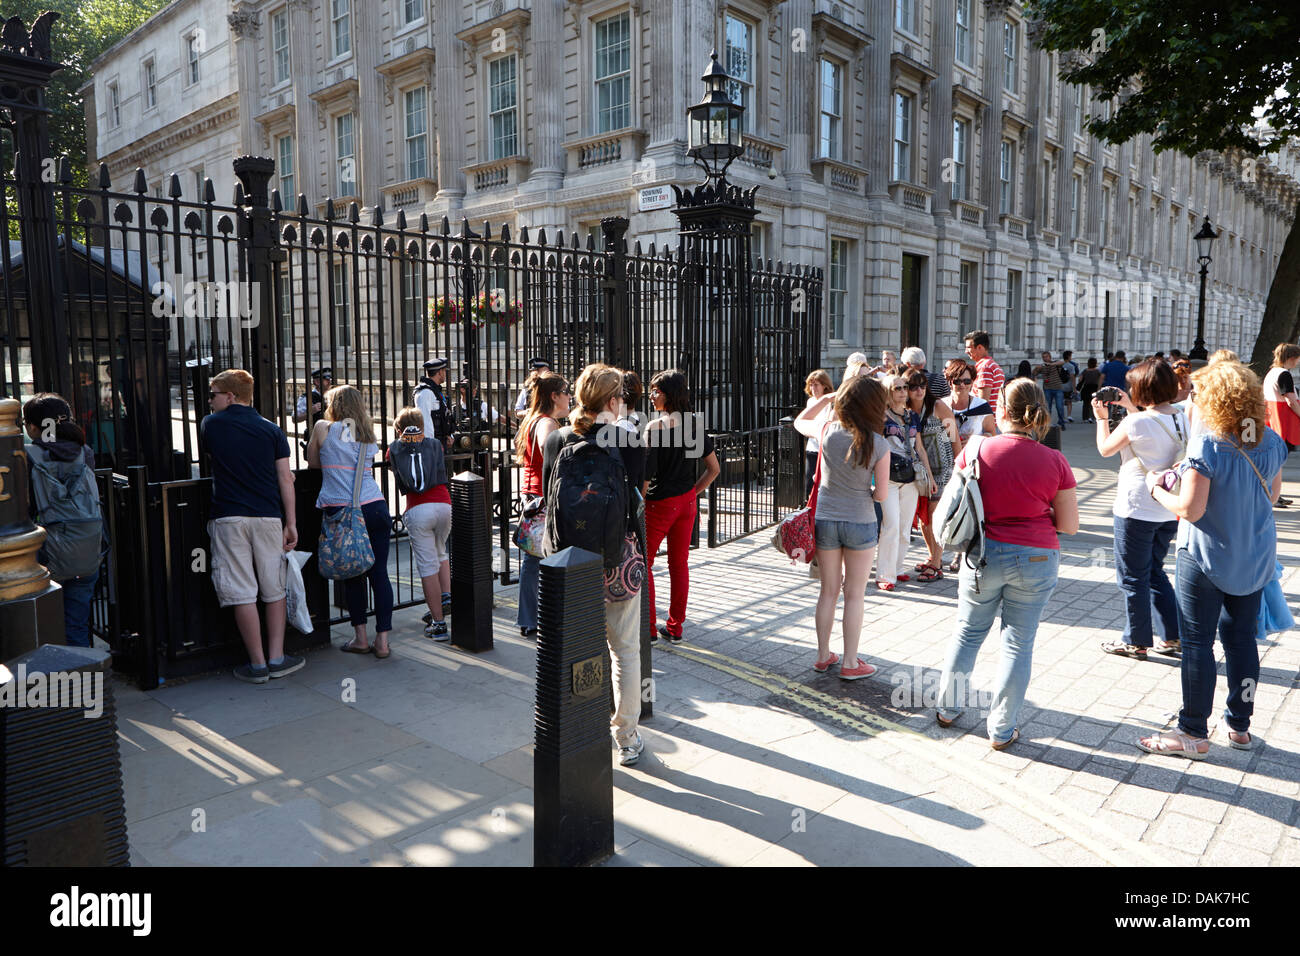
849 535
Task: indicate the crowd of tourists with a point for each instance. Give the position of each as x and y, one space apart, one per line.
1200 453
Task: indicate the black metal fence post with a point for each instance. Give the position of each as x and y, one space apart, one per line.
618 317
471 564
257 229
26 66
573 773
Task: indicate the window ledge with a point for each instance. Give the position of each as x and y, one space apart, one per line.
1013 225
967 212
835 174
911 196
604 149
411 192
498 173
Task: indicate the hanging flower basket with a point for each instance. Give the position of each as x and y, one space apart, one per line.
443 312
506 314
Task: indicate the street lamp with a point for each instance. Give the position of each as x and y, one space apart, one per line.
1204 240
714 125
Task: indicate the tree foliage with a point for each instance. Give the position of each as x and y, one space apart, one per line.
84 30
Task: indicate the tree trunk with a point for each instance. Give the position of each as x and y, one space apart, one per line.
1281 322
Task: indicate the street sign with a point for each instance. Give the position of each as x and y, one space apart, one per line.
654 197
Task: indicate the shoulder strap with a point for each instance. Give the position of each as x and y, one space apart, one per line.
360 474
973 455
1268 494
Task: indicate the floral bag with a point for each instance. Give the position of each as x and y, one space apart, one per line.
344 549
532 527
797 534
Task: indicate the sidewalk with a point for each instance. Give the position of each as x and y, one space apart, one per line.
751 757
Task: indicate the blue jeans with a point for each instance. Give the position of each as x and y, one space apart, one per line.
530 569
77 595
1056 399
1140 549
1020 579
1203 608
379 526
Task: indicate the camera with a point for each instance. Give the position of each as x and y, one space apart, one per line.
1108 394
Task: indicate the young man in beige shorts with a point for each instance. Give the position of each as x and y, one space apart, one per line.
253 521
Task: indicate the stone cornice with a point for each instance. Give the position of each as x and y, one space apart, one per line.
168 138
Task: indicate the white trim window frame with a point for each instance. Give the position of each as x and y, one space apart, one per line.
503 107
340 28
280 63
1012 315
149 83
905 16
837 288
1007 178
342 328
965 44
611 49
284 165
408 7
1103 219
415 133
967 291
904 111
192 42
830 128
739 55
114 105
1045 214
960 158
1076 204
1011 57
345 155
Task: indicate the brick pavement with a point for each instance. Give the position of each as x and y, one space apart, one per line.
751 757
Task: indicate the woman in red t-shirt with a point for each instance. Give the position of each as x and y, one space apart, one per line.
1028 495
547 402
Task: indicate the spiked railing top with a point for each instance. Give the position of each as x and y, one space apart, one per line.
15 38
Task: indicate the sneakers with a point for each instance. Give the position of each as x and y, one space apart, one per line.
672 638
446 604
654 636
1070 420
857 673
287 666
631 753
253 675
438 631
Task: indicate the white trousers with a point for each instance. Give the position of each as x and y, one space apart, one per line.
895 530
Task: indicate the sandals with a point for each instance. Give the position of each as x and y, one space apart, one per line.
932 572
1120 649
1004 744
885 585
944 721
822 666
384 656
956 565
351 648
1169 648
1186 747
1254 743
904 577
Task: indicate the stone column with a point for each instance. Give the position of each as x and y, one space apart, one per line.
307 144
944 47
245 25
880 99
367 40
449 95
547 56
994 13
801 94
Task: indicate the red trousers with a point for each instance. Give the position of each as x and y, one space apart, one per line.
673 518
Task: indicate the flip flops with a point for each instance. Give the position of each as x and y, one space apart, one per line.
350 648
1120 649
1254 743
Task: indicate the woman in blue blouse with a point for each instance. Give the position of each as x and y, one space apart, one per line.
1227 545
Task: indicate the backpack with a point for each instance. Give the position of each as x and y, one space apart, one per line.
67 507
959 516
417 465
586 499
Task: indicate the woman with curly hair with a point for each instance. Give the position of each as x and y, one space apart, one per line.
1227 548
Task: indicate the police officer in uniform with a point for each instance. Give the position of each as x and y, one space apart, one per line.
536 365
431 401
322 380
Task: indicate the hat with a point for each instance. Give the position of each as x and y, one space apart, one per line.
857 358
435 365
323 373
538 362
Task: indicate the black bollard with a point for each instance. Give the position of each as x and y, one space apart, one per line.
573 773
790 466
471 564
61 801
647 665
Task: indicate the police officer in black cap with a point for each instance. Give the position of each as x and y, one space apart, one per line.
431 401
322 380
535 365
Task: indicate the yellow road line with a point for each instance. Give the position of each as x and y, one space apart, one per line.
1038 805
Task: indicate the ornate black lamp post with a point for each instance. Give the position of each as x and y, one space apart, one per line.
714 125
1204 239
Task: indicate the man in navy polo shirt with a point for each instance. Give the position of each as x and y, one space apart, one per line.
253 521
1115 371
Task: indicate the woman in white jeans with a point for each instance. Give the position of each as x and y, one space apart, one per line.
903 435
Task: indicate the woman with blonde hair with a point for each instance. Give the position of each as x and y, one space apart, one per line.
548 402
816 385
599 394
1227 552
853 453
1029 498
341 443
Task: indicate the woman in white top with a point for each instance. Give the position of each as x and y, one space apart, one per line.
972 414
815 386
1148 440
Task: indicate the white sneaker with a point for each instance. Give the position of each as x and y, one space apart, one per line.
631 753
1070 421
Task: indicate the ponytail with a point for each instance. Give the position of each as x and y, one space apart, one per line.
1024 407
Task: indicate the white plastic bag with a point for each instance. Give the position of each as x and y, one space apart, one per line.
295 598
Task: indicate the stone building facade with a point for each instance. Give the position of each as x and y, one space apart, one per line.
923 152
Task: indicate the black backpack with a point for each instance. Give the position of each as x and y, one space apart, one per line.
586 500
417 465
